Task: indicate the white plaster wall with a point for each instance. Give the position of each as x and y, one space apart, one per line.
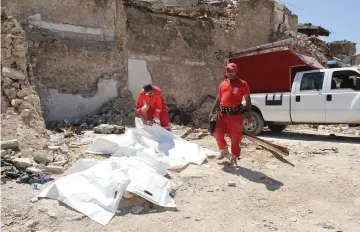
74 106
138 76
105 34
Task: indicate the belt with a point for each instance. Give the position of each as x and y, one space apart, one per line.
232 109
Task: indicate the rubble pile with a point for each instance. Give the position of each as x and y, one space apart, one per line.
27 166
202 11
343 50
318 48
109 129
118 111
23 134
16 90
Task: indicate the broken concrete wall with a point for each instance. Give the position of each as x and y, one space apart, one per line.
74 44
186 56
262 21
90 13
355 60
346 48
74 51
19 102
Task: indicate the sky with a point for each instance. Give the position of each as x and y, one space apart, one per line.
340 17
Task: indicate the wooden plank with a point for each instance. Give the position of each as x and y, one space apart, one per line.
280 150
188 132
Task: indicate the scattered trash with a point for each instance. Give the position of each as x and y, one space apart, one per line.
34 199
64 149
334 149
109 129
231 184
54 140
36 186
326 225
137 210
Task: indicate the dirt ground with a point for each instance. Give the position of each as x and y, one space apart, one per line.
311 190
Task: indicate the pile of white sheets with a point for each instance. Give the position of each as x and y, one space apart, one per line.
140 159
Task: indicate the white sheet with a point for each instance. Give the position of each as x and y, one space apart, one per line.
140 159
176 152
93 188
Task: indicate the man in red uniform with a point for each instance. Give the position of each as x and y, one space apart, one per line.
151 105
229 117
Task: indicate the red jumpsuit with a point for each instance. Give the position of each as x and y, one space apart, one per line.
157 107
230 94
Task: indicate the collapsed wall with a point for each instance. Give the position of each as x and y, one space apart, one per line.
21 112
85 53
344 50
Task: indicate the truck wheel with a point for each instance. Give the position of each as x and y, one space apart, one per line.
276 127
255 128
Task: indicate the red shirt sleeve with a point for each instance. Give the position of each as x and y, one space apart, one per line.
139 104
246 89
158 104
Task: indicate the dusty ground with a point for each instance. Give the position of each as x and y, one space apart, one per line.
312 190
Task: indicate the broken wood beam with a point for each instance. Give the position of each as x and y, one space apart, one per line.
183 136
280 150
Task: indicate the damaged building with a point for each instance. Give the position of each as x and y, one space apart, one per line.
82 54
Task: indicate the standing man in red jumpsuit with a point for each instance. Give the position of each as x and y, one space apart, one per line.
230 113
151 105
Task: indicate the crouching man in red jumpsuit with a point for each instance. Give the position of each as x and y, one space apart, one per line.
151 105
230 113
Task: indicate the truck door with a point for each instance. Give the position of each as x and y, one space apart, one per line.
308 99
343 97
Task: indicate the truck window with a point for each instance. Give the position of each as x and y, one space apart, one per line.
344 79
312 81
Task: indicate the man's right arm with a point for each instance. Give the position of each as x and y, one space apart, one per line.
139 104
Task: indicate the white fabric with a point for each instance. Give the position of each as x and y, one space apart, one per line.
93 188
140 159
174 151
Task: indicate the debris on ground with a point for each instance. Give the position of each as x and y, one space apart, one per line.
137 210
109 129
17 170
231 184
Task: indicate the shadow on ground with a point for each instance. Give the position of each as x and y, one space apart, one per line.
310 137
253 176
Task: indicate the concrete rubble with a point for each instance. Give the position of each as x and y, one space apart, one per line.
23 129
109 129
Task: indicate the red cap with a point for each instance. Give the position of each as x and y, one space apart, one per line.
231 66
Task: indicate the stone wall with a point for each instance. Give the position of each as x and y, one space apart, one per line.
186 56
344 48
74 44
76 50
20 105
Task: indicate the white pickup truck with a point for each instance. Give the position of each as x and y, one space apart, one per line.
325 96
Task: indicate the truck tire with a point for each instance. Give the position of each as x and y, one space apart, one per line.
277 127
256 127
